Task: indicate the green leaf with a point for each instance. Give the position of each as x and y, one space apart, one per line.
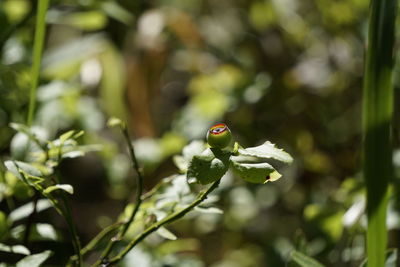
30 172
195 147
164 232
208 167
21 145
266 151
73 154
391 259
87 20
18 249
25 210
209 210
304 260
21 128
180 163
377 118
46 231
258 173
34 260
65 187
116 11
65 136
115 122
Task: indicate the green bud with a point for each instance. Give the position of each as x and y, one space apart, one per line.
219 136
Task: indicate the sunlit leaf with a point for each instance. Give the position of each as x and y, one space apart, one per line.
16 166
73 154
209 210
18 249
208 167
162 231
253 172
266 151
46 231
114 122
304 260
116 11
25 210
180 163
34 260
88 21
65 187
391 259
65 136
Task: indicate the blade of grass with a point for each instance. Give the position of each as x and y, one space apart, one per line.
40 32
377 115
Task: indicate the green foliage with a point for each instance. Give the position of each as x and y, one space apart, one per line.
208 167
304 260
40 174
213 163
254 172
287 70
169 201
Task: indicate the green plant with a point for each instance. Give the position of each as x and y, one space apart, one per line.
377 116
39 172
40 32
167 202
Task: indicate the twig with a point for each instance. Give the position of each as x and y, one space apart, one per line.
67 214
139 191
96 240
93 243
173 217
74 235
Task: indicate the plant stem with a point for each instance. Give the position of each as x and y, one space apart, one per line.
74 235
171 218
377 116
94 242
40 32
139 190
139 187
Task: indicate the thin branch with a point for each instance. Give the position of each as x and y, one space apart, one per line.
97 239
67 214
139 191
94 242
171 218
74 235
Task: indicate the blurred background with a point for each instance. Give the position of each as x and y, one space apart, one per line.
281 70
